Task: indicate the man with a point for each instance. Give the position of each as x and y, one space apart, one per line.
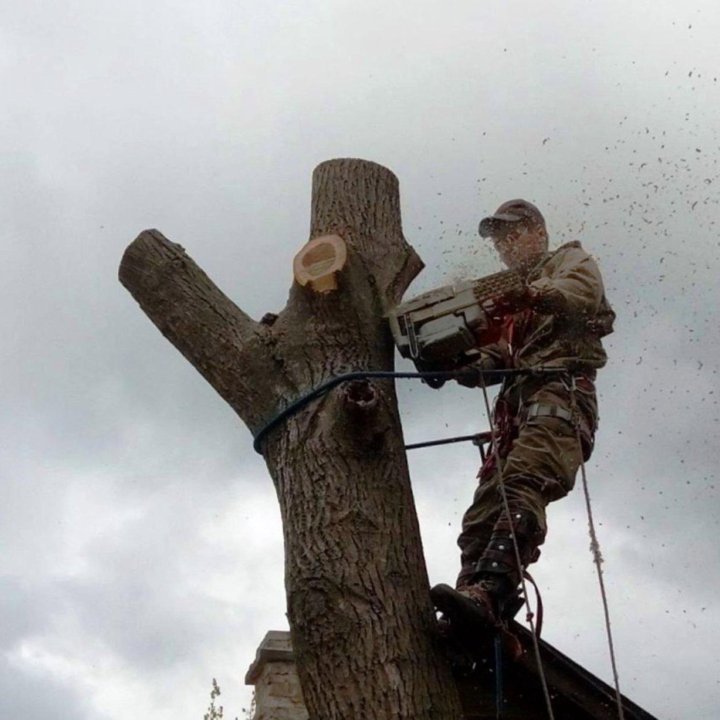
544 422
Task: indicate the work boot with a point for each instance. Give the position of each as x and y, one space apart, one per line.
470 623
481 599
498 573
491 596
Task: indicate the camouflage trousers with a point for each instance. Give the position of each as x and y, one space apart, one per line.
538 463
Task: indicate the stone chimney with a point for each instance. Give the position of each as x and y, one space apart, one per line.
277 687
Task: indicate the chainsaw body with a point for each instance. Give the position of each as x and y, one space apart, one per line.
444 327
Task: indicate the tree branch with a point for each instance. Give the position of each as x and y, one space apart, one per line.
232 351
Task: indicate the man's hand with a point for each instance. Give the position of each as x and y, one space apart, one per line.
471 376
542 299
498 307
434 383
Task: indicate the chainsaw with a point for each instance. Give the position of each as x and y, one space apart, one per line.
447 326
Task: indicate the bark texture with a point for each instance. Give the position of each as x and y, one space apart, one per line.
362 624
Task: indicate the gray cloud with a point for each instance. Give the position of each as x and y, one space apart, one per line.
142 540
36 697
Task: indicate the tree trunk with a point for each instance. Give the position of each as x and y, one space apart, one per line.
362 625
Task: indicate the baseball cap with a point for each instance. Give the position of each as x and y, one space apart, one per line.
511 211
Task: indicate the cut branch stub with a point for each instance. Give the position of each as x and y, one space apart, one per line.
318 262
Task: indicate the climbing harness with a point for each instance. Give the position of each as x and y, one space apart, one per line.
547 410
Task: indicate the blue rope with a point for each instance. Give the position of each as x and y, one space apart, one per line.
435 375
498 677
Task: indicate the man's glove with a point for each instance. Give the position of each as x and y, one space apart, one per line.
471 376
473 373
546 299
498 307
434 383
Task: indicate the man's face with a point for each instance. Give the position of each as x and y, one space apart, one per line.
520 246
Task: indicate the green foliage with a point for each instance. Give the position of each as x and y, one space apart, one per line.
216 712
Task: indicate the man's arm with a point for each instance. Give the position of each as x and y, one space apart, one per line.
574 285
492 357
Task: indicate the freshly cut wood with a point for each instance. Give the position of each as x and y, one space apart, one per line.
318 263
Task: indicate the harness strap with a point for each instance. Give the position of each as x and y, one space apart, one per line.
538 409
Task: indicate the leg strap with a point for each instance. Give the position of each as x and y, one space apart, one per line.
547 410
499 555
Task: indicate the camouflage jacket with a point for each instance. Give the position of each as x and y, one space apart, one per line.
564 325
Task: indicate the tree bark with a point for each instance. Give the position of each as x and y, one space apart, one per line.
361 620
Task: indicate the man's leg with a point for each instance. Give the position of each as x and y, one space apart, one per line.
539 468
477 529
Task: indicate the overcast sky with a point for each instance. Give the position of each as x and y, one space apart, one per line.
140 534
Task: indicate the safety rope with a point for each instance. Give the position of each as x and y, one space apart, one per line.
518 560
329 384
499 701
595 549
